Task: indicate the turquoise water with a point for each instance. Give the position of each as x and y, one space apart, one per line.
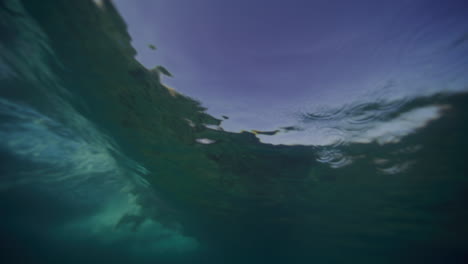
101 163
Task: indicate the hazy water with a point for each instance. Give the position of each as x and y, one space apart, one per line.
101 163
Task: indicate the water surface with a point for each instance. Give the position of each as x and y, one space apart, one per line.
103 163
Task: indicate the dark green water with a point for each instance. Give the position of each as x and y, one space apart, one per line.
100 163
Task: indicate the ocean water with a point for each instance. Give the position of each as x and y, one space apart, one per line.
100 162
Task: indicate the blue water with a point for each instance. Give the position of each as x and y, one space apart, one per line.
101 163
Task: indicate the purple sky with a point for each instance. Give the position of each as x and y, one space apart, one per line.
261 61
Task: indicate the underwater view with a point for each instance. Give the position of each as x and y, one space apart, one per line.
249 131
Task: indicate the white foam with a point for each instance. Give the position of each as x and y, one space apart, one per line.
64 155
382 132
205 141
394 130
82 160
